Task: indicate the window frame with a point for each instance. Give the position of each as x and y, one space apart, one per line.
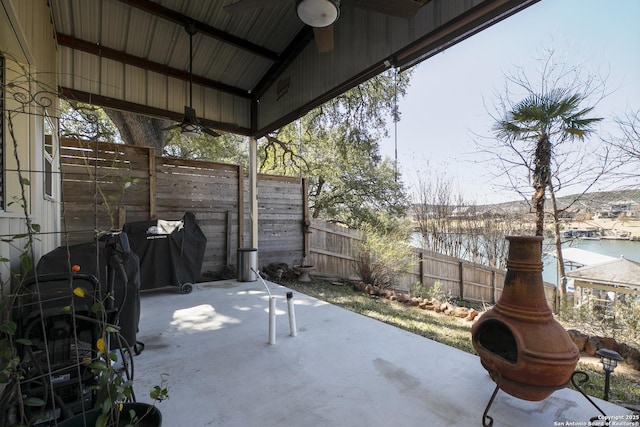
49 138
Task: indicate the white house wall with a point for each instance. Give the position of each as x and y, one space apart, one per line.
29 49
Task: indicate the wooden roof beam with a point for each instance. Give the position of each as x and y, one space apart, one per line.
136 61
180 19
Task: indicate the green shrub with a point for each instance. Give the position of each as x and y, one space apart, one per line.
436 292
382 257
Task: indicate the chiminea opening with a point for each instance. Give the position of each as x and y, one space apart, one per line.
497 338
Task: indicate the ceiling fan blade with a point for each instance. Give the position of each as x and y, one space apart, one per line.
209 131
406 9
324 38
249 5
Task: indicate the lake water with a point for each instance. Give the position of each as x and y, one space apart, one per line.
614 248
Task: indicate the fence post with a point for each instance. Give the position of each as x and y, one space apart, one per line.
461 264
421 267
306 223
493 286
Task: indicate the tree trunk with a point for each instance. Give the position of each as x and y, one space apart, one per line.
541 180
136 129
558 244
316 207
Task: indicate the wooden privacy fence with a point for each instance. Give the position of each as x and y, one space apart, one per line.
333 249
106 185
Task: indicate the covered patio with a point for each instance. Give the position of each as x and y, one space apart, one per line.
252 73
342 369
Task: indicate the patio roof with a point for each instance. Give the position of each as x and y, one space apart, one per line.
255 67
583 257
342 369
616 272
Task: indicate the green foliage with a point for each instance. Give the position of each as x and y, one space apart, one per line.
160 392
620 320
336 148
417 290
382 257
9 360
84 121
434 292
227 148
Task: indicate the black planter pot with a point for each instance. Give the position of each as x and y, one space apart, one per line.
149 414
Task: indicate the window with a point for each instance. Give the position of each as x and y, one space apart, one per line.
49 141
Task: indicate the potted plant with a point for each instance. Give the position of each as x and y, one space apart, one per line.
34 377
114 390
112 377
115 405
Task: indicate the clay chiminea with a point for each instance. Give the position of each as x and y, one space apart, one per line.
526 351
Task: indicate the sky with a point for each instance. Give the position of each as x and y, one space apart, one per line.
451 94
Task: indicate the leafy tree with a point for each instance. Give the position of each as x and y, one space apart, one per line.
336 147
83 121
136 129
227 148
626 148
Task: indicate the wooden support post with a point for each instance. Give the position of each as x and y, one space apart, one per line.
228 236
253 190
152 184
421 266
240 207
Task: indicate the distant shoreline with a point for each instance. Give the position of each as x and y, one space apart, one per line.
631 226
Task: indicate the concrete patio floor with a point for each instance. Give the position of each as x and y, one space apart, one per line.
342 369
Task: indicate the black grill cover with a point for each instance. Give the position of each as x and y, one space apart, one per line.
170 252
93 259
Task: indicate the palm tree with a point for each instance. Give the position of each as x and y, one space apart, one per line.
547 120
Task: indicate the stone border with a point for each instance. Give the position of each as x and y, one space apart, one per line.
591 344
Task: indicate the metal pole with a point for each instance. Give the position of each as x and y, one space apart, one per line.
607 377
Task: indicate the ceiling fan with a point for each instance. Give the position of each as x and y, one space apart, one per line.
190 125
321 14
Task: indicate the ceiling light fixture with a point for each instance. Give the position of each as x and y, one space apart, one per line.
318 13
191 130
